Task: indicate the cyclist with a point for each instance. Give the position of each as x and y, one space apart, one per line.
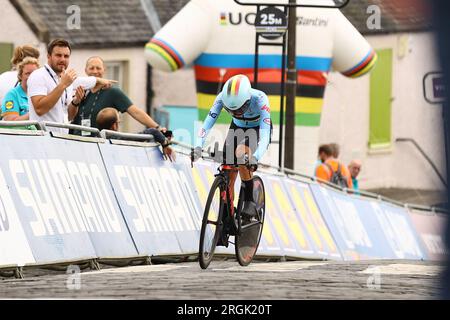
249 134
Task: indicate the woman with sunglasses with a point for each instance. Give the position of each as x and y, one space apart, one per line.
249 135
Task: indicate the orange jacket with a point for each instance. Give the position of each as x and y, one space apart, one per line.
323 171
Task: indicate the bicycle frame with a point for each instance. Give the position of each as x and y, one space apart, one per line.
228 198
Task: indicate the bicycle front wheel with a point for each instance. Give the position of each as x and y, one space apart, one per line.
212 224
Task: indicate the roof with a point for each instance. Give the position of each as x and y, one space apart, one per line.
118 23
396 15
104 23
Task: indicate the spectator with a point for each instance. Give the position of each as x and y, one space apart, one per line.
355 168
8 79
332 170
99 98
15 106
335 150
50 88
324 152
108 118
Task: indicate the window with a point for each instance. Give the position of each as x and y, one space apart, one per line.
6 52
118 70
380 101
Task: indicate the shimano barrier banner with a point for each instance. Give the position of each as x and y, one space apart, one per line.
14 247
64 186
367 229
106 226
40 184
137 187
281 216
398 229
432 232
180 196
431 229
347 226
344 223
308 216
161 218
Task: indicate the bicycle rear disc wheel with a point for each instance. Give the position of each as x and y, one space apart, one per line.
246 244
211 224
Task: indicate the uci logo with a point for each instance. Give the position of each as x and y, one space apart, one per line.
237 18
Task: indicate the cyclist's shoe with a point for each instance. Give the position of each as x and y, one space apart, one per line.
223 240
224 233
249 211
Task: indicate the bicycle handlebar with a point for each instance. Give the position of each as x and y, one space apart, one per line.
217 156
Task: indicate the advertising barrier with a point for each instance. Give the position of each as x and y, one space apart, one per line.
281 223
40 184
63 200
66 203
161 215
309 217
14 247
400 235
180 197
364 229
293 225
430 227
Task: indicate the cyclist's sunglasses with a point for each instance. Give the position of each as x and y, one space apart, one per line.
239 112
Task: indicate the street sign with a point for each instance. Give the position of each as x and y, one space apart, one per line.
434 87
271 23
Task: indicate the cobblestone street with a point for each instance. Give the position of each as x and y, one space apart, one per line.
261 280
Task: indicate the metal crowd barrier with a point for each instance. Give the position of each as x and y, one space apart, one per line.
50 124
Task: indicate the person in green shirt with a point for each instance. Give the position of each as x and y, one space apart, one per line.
93 101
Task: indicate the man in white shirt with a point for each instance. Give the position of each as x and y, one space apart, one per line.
51 88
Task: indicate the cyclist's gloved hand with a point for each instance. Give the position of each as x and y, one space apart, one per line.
168 134
245 157
196 154
251 163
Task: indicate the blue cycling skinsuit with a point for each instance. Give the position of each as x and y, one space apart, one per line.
256 117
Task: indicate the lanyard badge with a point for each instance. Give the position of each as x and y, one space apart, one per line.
64 102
